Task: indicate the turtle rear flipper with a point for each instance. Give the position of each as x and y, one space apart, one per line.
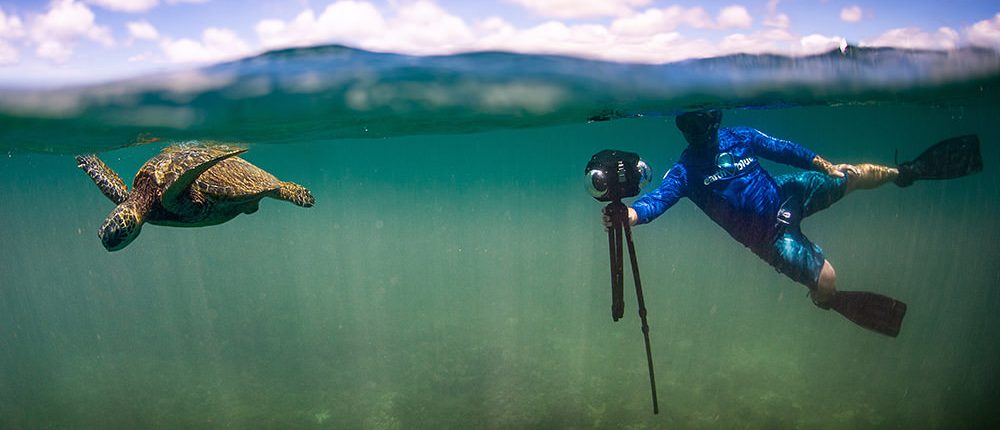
106 179
201 161
296 194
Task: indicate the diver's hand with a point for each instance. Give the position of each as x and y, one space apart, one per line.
633 218
835 170
840 170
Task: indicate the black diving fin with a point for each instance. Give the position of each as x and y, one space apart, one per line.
947 159
875 312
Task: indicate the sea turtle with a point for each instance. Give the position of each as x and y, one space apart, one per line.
185 186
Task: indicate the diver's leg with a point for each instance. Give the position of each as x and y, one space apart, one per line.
870 176
826 286
819 190
795 256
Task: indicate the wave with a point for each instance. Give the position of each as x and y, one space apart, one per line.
336 92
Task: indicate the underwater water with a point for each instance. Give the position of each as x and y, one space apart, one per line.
456 276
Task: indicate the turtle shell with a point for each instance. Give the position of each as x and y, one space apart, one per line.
207 172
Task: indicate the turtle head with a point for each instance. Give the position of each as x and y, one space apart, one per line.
121 227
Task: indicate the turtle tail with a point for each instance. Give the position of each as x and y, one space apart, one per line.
297 194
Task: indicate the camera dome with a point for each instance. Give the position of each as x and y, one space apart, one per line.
645 173
612 175
596 182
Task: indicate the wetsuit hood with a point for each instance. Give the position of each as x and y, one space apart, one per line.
700 128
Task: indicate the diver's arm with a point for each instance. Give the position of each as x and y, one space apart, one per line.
779 150
791 153
656 202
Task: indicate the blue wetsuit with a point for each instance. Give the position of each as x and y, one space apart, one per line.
761 212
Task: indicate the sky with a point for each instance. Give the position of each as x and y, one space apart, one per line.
46 43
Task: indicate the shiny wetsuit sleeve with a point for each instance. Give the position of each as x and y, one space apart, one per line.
779 150
656 202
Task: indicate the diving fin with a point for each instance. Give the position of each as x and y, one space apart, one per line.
947 159
875 312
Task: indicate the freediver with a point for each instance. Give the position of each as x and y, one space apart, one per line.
719 171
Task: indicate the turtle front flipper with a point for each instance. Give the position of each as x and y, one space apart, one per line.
200 159
106 179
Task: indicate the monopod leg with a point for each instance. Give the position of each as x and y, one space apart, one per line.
642 313
617 262
613 246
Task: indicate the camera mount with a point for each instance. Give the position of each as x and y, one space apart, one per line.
612 175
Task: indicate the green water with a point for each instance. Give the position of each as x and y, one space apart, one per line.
462 282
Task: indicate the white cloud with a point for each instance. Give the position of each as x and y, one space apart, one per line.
772 6
775 41
654 21
774 18
648 37
768 41
593 41
985 32
818 43
66 22
420 27
851 14
349 22
424 28
552 37
130 6
915 38
8 54
734 17
216 44
581 9
54 51
778 21
135 6
493 24
142 30
739 42
10 27
143 57
625 31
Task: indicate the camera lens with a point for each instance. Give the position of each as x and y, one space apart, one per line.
597 183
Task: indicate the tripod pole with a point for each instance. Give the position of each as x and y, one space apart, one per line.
616 211
642 311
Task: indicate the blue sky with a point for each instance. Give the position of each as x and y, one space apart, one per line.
70 41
